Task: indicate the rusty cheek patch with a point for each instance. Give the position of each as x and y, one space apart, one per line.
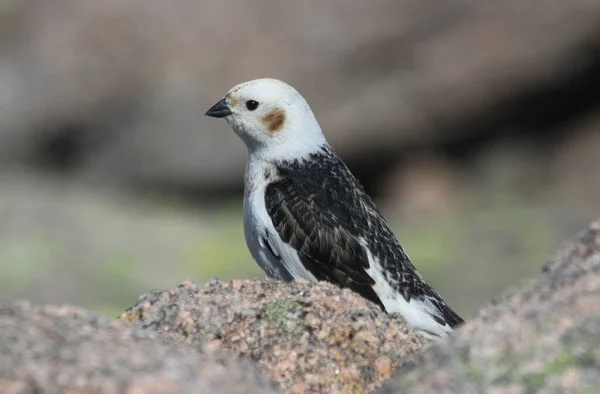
274 119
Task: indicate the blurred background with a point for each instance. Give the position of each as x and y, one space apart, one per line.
475 126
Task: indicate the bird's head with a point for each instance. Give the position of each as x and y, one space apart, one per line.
272 118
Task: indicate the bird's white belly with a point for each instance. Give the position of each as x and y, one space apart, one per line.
254 227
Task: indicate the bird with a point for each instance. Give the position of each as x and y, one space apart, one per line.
307 217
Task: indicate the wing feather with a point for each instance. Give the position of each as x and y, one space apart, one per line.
324 247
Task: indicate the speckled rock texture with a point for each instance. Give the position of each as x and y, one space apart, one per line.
543 337
65 350
310 338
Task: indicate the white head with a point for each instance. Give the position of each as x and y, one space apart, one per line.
272 118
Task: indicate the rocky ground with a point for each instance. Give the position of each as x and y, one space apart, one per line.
309 338
313 338
62 349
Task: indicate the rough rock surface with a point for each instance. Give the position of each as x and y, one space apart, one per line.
64 350
118 89
542 337
309 338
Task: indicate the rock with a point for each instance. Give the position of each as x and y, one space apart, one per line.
62 349
116 90
310 338
541 337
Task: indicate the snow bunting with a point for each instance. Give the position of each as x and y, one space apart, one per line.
307 217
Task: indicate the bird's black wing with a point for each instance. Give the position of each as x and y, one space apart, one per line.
322 211
315 211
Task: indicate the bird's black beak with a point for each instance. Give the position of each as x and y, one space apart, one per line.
219 110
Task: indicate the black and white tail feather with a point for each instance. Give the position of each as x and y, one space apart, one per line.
307 217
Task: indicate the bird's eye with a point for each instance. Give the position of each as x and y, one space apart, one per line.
251 105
